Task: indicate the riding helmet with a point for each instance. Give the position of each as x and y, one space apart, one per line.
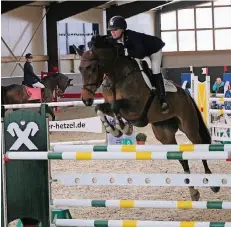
29 55
117 22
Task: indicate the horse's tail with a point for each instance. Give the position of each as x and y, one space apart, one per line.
203 130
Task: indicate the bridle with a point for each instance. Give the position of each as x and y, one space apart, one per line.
96 84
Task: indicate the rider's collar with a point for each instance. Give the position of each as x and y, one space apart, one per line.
121 39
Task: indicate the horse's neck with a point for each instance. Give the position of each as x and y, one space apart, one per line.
51 83
126 71
124 67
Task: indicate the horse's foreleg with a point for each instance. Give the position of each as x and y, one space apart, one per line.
105 109
51 112
124 127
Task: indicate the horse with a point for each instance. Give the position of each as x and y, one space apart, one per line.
18 94
128 95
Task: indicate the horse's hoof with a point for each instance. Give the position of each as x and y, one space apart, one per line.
115 133
130 130
215 189
195 195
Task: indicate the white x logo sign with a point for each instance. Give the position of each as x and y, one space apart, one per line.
23 136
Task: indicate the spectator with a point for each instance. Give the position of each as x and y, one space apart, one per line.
218 86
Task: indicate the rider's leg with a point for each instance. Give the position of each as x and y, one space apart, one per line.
157 79
38 85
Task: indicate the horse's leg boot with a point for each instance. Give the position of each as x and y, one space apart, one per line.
158 82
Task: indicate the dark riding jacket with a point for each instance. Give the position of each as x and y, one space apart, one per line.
29 76
140 45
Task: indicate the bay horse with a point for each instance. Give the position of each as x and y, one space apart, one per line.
18 94
128 96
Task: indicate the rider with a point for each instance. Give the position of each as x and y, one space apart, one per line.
140 45
30 78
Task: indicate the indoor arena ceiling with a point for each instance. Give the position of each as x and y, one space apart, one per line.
165 6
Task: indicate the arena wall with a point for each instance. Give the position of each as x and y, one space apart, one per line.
17 29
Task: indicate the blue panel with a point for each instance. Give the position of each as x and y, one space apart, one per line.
227 77
186 77
227 104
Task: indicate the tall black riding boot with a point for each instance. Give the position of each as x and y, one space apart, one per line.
158 82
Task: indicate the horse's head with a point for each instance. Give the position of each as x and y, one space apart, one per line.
63 82
107 51
92 76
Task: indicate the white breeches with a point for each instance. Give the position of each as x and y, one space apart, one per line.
38 84
156 62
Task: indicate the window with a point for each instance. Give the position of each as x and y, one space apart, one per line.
170 41
168 21
205 40
204 18
186 18
222 17
187 41
222 39
204 27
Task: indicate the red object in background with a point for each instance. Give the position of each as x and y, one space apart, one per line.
6 159
55 69
225 68
140 142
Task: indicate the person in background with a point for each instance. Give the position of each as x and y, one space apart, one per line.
218 86
30 78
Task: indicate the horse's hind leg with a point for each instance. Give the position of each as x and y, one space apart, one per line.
165 132
191 130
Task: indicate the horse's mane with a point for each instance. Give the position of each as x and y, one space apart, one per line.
103 41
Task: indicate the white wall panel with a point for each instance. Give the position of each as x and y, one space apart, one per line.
143 22
91 16
17 29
